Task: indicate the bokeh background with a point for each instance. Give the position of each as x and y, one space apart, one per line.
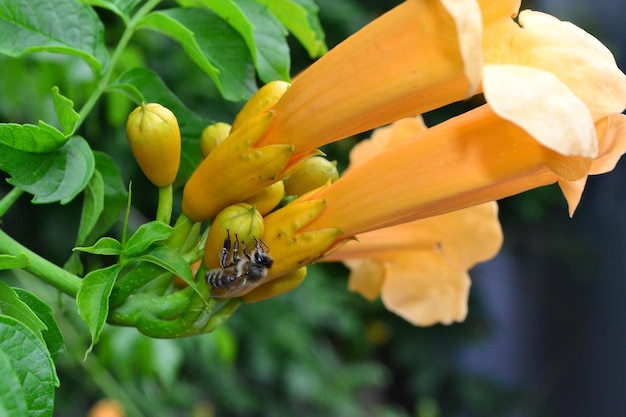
545 334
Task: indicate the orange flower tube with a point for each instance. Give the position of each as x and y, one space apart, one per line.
470 159
406 62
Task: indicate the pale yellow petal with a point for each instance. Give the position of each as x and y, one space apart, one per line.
469 26
575 57
468 236
366 276
543 106
426 291
580 60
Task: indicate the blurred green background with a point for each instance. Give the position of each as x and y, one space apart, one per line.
545 335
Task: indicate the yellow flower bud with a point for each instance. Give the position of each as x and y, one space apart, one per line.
242 221
154 138
262 100
268 199
215 184
212 136
313 173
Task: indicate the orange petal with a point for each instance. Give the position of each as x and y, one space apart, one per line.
573 192
612 145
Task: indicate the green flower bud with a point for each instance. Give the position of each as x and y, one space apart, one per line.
241 221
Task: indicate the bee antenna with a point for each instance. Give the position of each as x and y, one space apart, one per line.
262 245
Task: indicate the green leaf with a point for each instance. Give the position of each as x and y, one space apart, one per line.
104 246
14 262
169 259
191 125
212 44
63 26
115 195
50 177
12 401
231 13
66 114
93 205
92 300
300 18
30 138
146 235
122 8
32 365
52 335
271 53
12 306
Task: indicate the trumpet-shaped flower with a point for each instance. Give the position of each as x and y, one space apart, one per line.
470 159
553 92
417 57
419 268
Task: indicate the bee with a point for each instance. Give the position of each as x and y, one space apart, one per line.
238 270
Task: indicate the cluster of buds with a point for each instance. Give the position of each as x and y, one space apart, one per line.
254 247
257 202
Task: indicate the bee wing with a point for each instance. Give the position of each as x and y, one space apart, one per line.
231 289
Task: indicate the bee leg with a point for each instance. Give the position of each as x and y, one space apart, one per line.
236 250
246 254
225 250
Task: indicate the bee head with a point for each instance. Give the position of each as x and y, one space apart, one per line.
260 255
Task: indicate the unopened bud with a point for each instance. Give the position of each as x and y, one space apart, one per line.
267 96
268 199
212 136
241 221
154 138
313 173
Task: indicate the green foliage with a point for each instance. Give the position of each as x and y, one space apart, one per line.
78 54
72 71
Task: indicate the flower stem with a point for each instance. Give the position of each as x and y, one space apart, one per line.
103 83
164 208
8 200
42 268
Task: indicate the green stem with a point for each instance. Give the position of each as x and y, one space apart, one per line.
103 83
164 208
41 267
8 200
